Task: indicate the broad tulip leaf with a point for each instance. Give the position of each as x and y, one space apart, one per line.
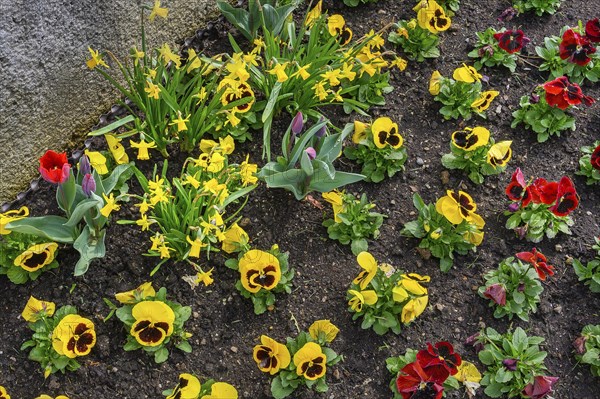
51 227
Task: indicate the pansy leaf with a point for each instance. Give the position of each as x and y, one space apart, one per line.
161 355
278 390
17 275
184 346
359 246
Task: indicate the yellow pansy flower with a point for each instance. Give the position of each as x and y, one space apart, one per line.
414 308
11 216
466 74
360 298
323 330
34 309
434 83
499 154
485 100
145 290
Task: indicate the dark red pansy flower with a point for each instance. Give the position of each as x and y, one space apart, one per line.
561 93
496 293
567 199
441 353
592 30
54 167
545 191
414 382
538 261
575 48
540 387
516 187
511 41
595 159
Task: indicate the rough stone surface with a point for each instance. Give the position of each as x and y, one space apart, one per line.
48 97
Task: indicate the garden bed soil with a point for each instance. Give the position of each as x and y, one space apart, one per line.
223 324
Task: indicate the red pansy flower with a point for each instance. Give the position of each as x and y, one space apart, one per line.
511 41
544 191
575 48
538 261
54 167
595 159
516 187
441 353
414 382
540 387
592 30
496 293
567 199
561 93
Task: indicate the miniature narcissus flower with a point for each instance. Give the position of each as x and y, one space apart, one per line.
259 269
385 132
36 256
248 172
369 266
11 216
323 331
157 10
236 239
36 309
154 322
314 14
142 148
204 277
168 56
271 356
54 167
457 207
74 336
95 60
110 205
511 41
133 296
188 387
310 361
279 71
471 138
499 154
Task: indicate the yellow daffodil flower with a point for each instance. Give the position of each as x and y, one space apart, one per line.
197 245
201 95
369 265
116 149
413 309
375 40
36 256
98 161
347 72
248 172
110 205
157 10
157 241
227 145
314 14
144 223
400 63
458 207
145 290
205 277
310 361
335 198
434 83
11 216
237 68
302 72
499 154
136 55
153 322
470 139
95 60
142 148
360 298
168 56
323 331
193 61
271 356
332 76
188 387
319 90
485 100
180 122
466 74
152 90
189 179
35 309
279 71
216 163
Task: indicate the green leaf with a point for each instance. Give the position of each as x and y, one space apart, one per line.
17 275
278 390
161 355
80 211
89 248
109 128
184 346
268 112
50 227
359 246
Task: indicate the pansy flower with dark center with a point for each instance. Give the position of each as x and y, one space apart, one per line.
271 356
36 309
540 387
337 27
517 186
153 322
432 17
442 353
415 382
259 269
73 336
499 154
310 361
595 158
457 207
496 293
188 387
385 132
36 256
575 48
54 167
538 261
235 91
561 93
511 41
3 393
567 199
369 265
592 30
360 298
485 100
543 191
470 139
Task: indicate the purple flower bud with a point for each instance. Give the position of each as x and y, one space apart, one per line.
510 364
312 154
84 165
496 293
507 14
579 345
521 287
298 123
88 185
487 50
485 78
521 231
321 132
534 98
472 340
513 207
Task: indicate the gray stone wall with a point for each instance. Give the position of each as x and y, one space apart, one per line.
48 97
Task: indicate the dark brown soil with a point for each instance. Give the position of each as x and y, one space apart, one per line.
224 326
